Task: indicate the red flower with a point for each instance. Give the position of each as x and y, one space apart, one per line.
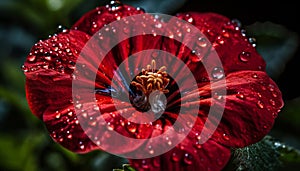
251 103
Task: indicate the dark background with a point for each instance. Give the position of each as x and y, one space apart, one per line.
24 141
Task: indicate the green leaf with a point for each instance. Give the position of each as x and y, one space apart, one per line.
275 43
260 156
268 154
126 167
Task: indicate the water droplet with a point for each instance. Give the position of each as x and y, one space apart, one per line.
96 108
69 136
244 56
125 30
145 165
82 147
243 32
272 102
189 124
260 104
188 159
24 68
151 151
217 73
62 29
271 87
131 127
240 95
110 126
218 96
175 157
252 41
220 40
226 137
274 94
195 56
202 42
190 20
155 54
58 115
254 75
115 5
265 126
31 58
198 145
236 22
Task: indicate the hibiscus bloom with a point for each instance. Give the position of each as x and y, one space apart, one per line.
252 99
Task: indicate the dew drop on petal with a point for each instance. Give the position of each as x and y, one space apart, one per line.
31 58
126 30
226 137
115 5
110 126
260 104
243 32
188 159
131 127
62 29
271 87
272 102
195 56
217 73
244 56
145 165
202 42
151 151
24 68
82 147
254 75
198 145
240 95
175 157
58 115
218 96
252 41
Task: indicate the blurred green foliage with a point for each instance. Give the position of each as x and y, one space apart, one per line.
24 141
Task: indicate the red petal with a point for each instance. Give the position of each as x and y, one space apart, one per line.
48 70
252 103
94 20
188 155
233 48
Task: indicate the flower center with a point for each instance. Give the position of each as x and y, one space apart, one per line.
148 89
